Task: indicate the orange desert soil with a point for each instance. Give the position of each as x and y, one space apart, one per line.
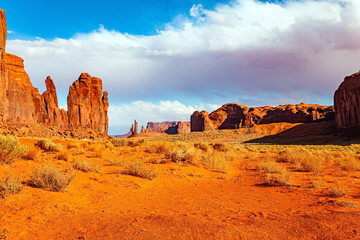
182 202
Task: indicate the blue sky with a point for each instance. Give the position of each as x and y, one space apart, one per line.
63 19
162 60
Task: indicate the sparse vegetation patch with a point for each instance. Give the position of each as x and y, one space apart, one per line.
11 149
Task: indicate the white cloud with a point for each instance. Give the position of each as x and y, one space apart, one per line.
122 116
197 11
243 50
10 32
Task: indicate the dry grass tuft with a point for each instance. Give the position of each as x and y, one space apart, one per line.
202 146
47 145
282 179
10 185
351 204
271 167
117 162
65 156
350 163
220 147
86 166
217 161
127 142
50 178
10 149
302 159
139 169
337 191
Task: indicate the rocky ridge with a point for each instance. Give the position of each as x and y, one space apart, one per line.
234 116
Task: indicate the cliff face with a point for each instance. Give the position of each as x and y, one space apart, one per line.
233 116
21 103
87 104
347 102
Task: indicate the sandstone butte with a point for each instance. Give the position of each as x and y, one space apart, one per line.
347 102
22 105
233 116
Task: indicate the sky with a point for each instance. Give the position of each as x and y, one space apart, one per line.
162 60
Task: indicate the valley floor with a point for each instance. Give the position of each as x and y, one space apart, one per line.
188 197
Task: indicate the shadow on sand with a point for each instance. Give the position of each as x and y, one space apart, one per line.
320 133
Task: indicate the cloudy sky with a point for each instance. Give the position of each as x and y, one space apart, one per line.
161 60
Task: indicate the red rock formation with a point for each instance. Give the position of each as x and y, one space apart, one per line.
347 102
21 103
50 114
200 121
169 127
17 98
148 128
87 104
142 130
183 127
233 116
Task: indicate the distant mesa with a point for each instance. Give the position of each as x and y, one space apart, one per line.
22 105
168 127
234 116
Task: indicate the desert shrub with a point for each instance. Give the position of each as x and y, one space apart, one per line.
175 152
10 185
282 179
351 204
337 191
271 167
158 147
47 145
86 166
193 156
31 155
350 163
117 162
65 156
127 142
220 147
139 169
50 178
77 151
303 160
11 149
217 161
202 146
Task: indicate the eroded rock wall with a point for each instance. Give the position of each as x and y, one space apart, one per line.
347 102
88 104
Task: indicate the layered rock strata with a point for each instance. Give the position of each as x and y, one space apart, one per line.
233 116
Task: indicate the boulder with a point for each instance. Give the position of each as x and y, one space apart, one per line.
347 102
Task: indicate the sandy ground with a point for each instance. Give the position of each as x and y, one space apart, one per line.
182 202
